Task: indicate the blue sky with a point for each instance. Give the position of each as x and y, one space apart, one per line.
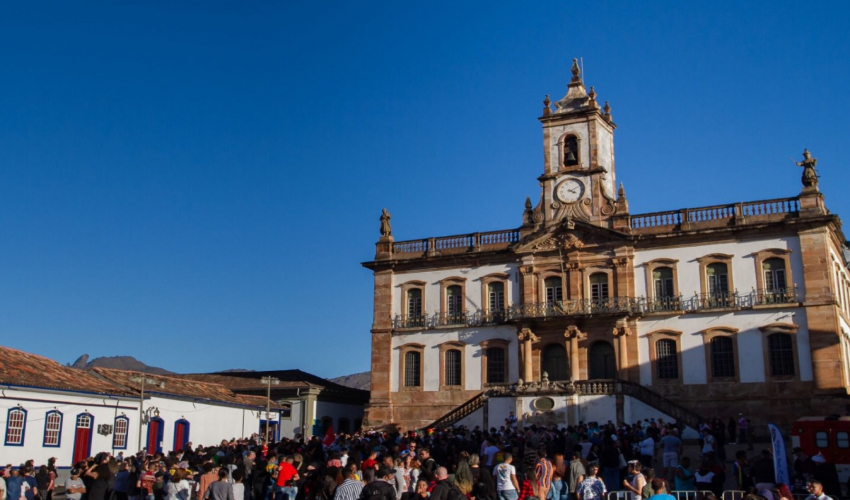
196 184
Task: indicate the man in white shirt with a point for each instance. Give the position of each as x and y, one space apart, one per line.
815 489
507 487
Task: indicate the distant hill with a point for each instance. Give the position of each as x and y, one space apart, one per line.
118 363
355 380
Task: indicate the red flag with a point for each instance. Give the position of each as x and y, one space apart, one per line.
329 437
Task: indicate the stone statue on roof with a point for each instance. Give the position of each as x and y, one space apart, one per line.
810 176
386 228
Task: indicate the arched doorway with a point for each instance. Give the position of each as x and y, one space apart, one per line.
156 428
554 362
181 434
601 360
82 437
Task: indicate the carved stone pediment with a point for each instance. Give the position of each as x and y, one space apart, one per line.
568 235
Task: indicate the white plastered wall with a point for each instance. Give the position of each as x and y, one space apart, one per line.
750 338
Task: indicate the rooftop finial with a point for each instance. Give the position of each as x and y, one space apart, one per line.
606 111
621 193
576 71
547 110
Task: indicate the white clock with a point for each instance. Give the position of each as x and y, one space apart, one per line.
570 191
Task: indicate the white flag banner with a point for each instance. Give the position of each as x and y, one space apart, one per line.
780 461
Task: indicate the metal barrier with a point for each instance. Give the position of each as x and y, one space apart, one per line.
733 495
680 495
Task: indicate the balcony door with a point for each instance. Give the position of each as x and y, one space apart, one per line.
601 360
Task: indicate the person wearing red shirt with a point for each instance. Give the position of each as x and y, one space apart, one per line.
285 488
370 463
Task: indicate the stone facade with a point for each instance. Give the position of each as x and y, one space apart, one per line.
723 309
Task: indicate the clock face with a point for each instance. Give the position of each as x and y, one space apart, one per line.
570 191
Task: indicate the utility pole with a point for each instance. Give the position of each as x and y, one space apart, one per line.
269 381
143 380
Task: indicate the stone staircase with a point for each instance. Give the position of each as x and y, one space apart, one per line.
581 387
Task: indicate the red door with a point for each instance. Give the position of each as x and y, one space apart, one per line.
155 436
82 437
181 434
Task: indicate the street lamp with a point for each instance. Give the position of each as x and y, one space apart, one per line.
269 381
143 381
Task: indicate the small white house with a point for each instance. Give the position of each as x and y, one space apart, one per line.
50 410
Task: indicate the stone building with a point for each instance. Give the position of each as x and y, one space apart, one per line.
587 311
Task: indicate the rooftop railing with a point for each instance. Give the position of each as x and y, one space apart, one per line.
611 306
741 213
648 223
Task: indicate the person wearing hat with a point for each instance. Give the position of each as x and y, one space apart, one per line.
74 487
380 488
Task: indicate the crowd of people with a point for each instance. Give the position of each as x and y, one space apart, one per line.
583 462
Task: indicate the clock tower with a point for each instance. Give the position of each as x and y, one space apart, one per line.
578 169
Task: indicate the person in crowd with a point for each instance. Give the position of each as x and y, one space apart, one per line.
221 489
351 487
684 476
815 489
647 491
178 488
420 491
636 481
543 471
381 488
659 486
507 486
591 488
237 485
101 476
576 472
74 487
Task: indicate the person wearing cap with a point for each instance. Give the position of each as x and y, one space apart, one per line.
74 487
380 488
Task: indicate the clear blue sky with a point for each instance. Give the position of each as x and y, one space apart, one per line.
196 184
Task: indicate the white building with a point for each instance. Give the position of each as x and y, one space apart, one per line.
50 410
589 312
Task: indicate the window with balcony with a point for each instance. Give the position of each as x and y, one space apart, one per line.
662 282
496 297
598 287
553 291
717 276
454 304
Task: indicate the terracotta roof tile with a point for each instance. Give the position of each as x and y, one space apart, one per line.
181 386
30 370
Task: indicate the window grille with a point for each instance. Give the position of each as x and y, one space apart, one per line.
453 367
722 357
119 436
52 428
666 359
496 365
781 354
411 370
15 426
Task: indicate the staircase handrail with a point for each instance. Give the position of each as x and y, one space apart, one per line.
464 409
661 403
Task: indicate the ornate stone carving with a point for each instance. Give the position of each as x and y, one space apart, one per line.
527 334
573 332
622 330
621 262
572 241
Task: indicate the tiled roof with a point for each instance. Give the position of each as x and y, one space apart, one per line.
30 370
243 383
181 387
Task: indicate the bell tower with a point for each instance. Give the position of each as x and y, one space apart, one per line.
578 179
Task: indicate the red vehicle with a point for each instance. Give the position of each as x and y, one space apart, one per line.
829 436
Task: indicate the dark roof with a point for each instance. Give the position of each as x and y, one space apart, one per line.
295 376
182 387
25 369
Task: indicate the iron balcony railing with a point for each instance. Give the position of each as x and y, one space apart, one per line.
616 305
